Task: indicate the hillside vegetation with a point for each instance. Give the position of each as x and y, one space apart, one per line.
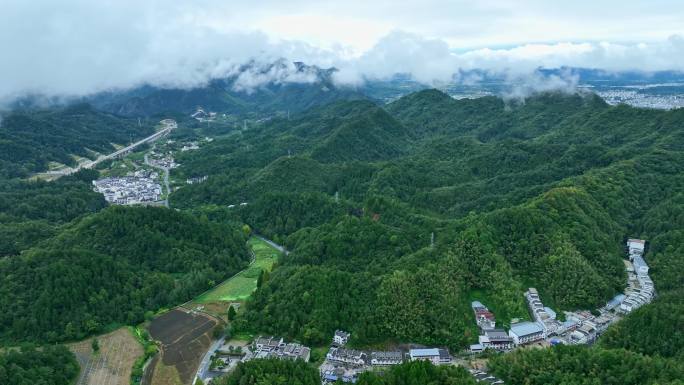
112 267
30 140
49 365
535 193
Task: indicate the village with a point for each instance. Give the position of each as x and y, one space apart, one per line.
579 327
148 179
345 364
140 187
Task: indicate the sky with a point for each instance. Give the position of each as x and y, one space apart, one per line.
78 47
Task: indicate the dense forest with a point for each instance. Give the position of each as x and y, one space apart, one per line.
536 193
395 216
582 365
283 372
112 267
271 372
419 373
48 365
31 211
30 140
655 329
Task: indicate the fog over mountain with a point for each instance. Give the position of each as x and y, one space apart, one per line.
78 47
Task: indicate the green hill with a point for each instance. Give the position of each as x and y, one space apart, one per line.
112 267
29 140
540 192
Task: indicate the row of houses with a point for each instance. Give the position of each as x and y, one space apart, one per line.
359 359
640 289
276 347
342 363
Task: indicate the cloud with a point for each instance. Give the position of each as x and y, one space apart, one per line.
429 61
281 72
78 47
653 56
523 85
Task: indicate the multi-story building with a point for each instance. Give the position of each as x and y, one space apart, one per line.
526 332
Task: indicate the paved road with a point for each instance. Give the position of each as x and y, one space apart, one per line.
206 361
166 179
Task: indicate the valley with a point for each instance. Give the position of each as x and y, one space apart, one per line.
388 222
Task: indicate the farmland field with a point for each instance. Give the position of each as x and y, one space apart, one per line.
242 284
184 337
112 364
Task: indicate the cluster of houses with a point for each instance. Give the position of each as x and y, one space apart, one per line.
342 363
162 160
640 290
140 187
275 347
580 327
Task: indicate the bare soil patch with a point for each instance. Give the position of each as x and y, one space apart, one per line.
112 364
184 337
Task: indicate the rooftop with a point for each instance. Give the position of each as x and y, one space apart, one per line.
424 352
526 328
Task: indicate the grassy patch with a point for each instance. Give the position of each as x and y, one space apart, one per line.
241 285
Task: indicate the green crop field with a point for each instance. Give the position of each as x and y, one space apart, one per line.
241 286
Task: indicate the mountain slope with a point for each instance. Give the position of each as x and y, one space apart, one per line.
112 267
29 140
254 89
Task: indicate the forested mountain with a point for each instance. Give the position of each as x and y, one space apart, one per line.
535 193
31 211
396 217
29 139
112 267
278 87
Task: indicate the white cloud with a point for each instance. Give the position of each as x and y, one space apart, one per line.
75 47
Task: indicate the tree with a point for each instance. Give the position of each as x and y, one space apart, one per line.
231 313
95 344
217 332
246 230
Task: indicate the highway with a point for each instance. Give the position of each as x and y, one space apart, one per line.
168 126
